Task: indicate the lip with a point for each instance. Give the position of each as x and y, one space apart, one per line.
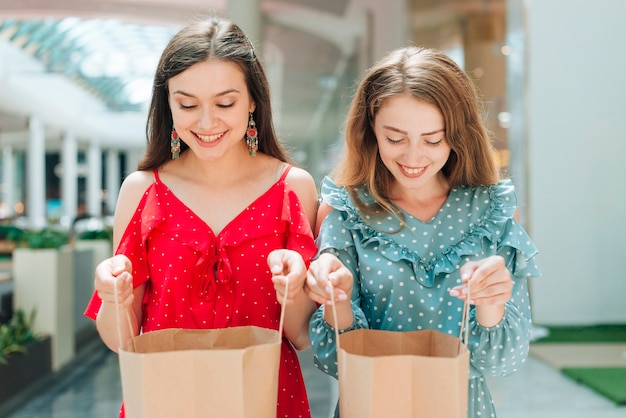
412 172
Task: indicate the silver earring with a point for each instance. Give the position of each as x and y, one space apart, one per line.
251 137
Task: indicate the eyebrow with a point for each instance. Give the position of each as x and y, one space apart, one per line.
391 128
221 93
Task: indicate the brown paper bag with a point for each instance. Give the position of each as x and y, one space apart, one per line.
230 372
416 374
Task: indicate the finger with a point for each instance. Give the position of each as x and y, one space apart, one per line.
335 294
118 264
493 298
275 262
314 291
498 291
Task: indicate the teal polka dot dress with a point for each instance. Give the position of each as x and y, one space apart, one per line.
403 274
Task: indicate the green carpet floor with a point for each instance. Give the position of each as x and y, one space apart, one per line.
584 334
607 381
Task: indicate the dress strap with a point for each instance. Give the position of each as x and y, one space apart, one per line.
156 175
285 172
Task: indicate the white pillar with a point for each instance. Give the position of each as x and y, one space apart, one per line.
8 180
36 177
274 61
247 15
112 180
387 26
132 158
94 180
69 177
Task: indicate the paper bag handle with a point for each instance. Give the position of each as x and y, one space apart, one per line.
464 318
283 308
332 299
117 316
130 325
465 321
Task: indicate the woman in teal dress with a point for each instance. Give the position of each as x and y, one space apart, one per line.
414 214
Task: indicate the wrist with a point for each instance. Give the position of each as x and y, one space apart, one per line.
489 315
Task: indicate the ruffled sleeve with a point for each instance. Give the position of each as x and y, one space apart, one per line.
424 258
300 236
336 239
133 244
502 349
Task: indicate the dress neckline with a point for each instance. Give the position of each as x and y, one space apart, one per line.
281 180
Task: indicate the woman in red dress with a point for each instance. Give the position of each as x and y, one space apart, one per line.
215 217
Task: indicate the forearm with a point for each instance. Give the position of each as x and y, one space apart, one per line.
345 316
501 349
296 325
115 322
489 315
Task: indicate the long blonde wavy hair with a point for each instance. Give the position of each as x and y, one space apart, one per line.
430 76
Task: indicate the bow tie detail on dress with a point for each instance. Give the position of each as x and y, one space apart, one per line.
213 270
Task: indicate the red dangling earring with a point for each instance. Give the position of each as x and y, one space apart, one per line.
251 137
175 144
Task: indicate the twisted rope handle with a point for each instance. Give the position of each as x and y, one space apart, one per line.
332 298
465 321
118 320
130 325
283 308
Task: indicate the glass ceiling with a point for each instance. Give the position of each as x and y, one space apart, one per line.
112 59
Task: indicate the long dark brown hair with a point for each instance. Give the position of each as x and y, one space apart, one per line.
216 39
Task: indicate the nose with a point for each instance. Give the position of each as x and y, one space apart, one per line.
207 119
415 151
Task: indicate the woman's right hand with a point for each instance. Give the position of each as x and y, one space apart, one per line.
115 274
328 275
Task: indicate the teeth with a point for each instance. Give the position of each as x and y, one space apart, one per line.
412 171
210 138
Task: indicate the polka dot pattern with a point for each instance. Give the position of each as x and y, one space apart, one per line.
196 279
404 274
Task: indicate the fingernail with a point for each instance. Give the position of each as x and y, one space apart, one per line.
454 292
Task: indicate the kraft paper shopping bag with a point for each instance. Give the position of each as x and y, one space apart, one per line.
414 374
230 372
418 374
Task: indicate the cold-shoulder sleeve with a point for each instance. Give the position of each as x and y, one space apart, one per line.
300 235
133 244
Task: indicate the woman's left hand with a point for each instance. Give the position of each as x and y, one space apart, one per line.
488 280
288 269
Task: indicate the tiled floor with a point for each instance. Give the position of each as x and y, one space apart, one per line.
91 389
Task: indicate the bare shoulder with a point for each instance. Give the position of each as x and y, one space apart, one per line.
304 185
299 177
132 190
135 184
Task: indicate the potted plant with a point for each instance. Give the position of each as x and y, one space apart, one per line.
25 356
43 278
94 238
8 236
40 239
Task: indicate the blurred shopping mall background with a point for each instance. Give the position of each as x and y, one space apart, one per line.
75 79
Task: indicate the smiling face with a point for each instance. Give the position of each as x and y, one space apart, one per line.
210 103
412 143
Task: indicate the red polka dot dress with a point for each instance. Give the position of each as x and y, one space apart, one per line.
196 279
